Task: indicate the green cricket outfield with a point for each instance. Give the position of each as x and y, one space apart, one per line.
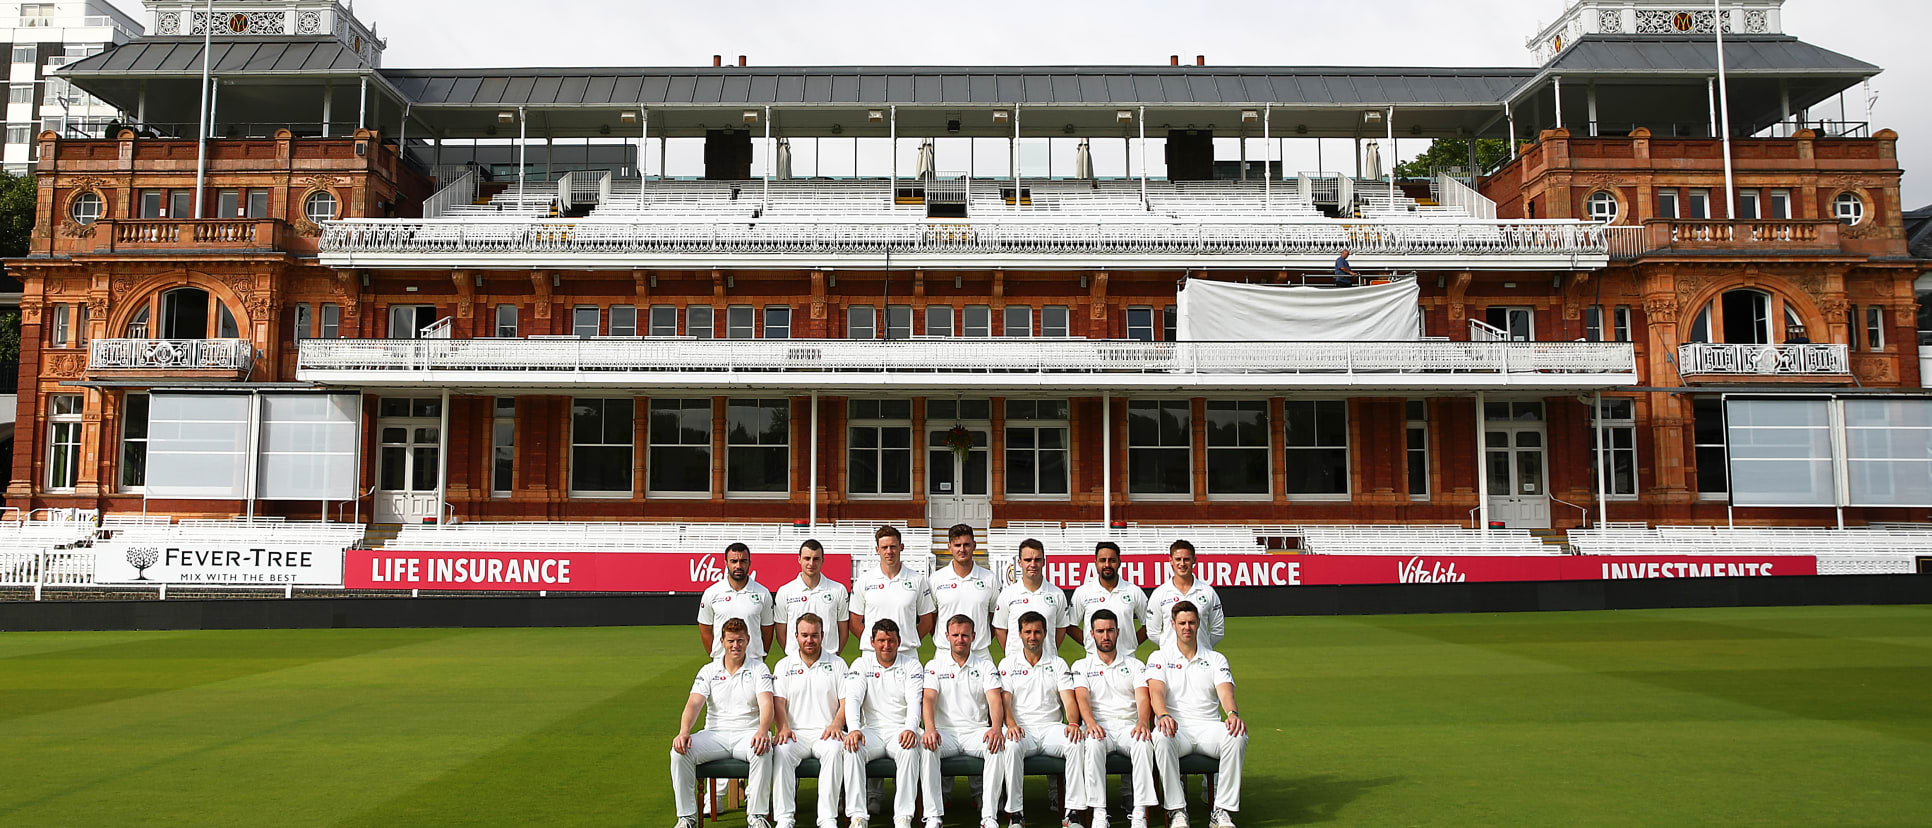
1795 716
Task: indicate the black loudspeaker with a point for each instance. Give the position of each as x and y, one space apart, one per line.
1190 155
727 154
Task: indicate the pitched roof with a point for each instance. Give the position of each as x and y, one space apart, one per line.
1626 55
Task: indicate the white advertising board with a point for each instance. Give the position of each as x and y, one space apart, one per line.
178 562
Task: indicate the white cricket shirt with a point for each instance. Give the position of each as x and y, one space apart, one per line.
1110 687
888 699
721 603
731 699
961 689
1160 611
1016 600
811 691
1125 599
970 595
1036 689
902 598
1191 683
828 601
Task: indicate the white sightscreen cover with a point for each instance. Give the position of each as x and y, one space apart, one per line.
1232 312
1888 446
198 445
308 446
1781 453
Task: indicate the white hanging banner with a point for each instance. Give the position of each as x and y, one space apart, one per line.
1233 312
198 445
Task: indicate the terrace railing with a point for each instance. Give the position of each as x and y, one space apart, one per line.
1762 360
1073 239
169 354
460 191
988 356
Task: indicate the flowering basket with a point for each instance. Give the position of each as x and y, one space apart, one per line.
959 440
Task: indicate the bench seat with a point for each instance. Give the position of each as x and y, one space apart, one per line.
953 766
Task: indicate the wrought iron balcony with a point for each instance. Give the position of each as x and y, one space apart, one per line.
1720 359
629 243
1045 364
148 356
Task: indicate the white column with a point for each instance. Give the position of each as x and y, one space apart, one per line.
1482 466
207 121
1267 160
362 105
643 153
771 157
1590 96
1510 115
1016 157
892 131
1142 119
1107 458
1724 119
1603 467
442 457
1558 87
1389 121
1710 93
140 107
523 150
328 105
811 474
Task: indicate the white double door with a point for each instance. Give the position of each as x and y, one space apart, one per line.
409 459
1516 459
959 482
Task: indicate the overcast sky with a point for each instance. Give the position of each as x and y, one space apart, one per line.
498 33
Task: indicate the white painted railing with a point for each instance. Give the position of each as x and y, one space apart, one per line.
1459 196
1480 331
161 354
991 356
460 191
606 236
1762 360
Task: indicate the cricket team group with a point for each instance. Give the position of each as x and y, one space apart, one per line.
885 704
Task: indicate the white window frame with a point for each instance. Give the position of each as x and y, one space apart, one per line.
577 319
623 320
778 322
1874 328
64 426
331 327
630 442
1697 203
939 320
1748 206
1601 424
976 328
870 414
1697 460
1186 444
499 442
1668 205
661 321
741 322
304 321
1780 204
87 207
1348 451
1030 420
1593 206
700 322
780 403
127 420
1849 207
315 198
58 329
1265 449
1141 330
861 322
1023 330
898 322
1417 424
709 407
1056 321
506 328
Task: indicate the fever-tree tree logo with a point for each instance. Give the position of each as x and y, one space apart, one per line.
142 557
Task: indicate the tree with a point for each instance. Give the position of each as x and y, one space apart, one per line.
17 200
1454 152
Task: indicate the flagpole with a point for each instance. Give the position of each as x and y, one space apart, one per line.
201 146
1724 111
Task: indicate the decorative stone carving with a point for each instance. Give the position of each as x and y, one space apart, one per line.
1813 286
243 286
65 366
121 285
1875 370
1757 21
308 23
76 230
30 311
1610 21
1660 310
97 307
1458 288
1834 308
167 23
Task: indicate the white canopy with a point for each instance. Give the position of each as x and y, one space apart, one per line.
1233 312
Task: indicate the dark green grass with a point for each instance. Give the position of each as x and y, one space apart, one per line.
1796 716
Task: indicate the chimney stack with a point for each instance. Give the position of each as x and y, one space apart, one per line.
717 60
1173 60
1200 60
741 60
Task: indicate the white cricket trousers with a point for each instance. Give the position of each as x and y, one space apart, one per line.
1119 739
831 770
1207 737
992 769
1050 741
905 781
709 746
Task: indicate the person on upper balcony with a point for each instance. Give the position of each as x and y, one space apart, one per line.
1795 335
1345 276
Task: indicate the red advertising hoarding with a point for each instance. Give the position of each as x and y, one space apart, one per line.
693 572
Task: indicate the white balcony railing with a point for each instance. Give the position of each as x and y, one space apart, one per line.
648 361
169 354
355 241
1762 360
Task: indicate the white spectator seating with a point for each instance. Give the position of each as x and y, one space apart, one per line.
1874 550
765 539
39 549
1136 539
1422 540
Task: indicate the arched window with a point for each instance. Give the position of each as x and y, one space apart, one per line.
1746 316
1848 208
185 314
320 206
1602 206
137 327
88 207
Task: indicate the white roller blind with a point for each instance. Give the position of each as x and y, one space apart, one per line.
1781 452
198 445
1231 312
1888 447
308 447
